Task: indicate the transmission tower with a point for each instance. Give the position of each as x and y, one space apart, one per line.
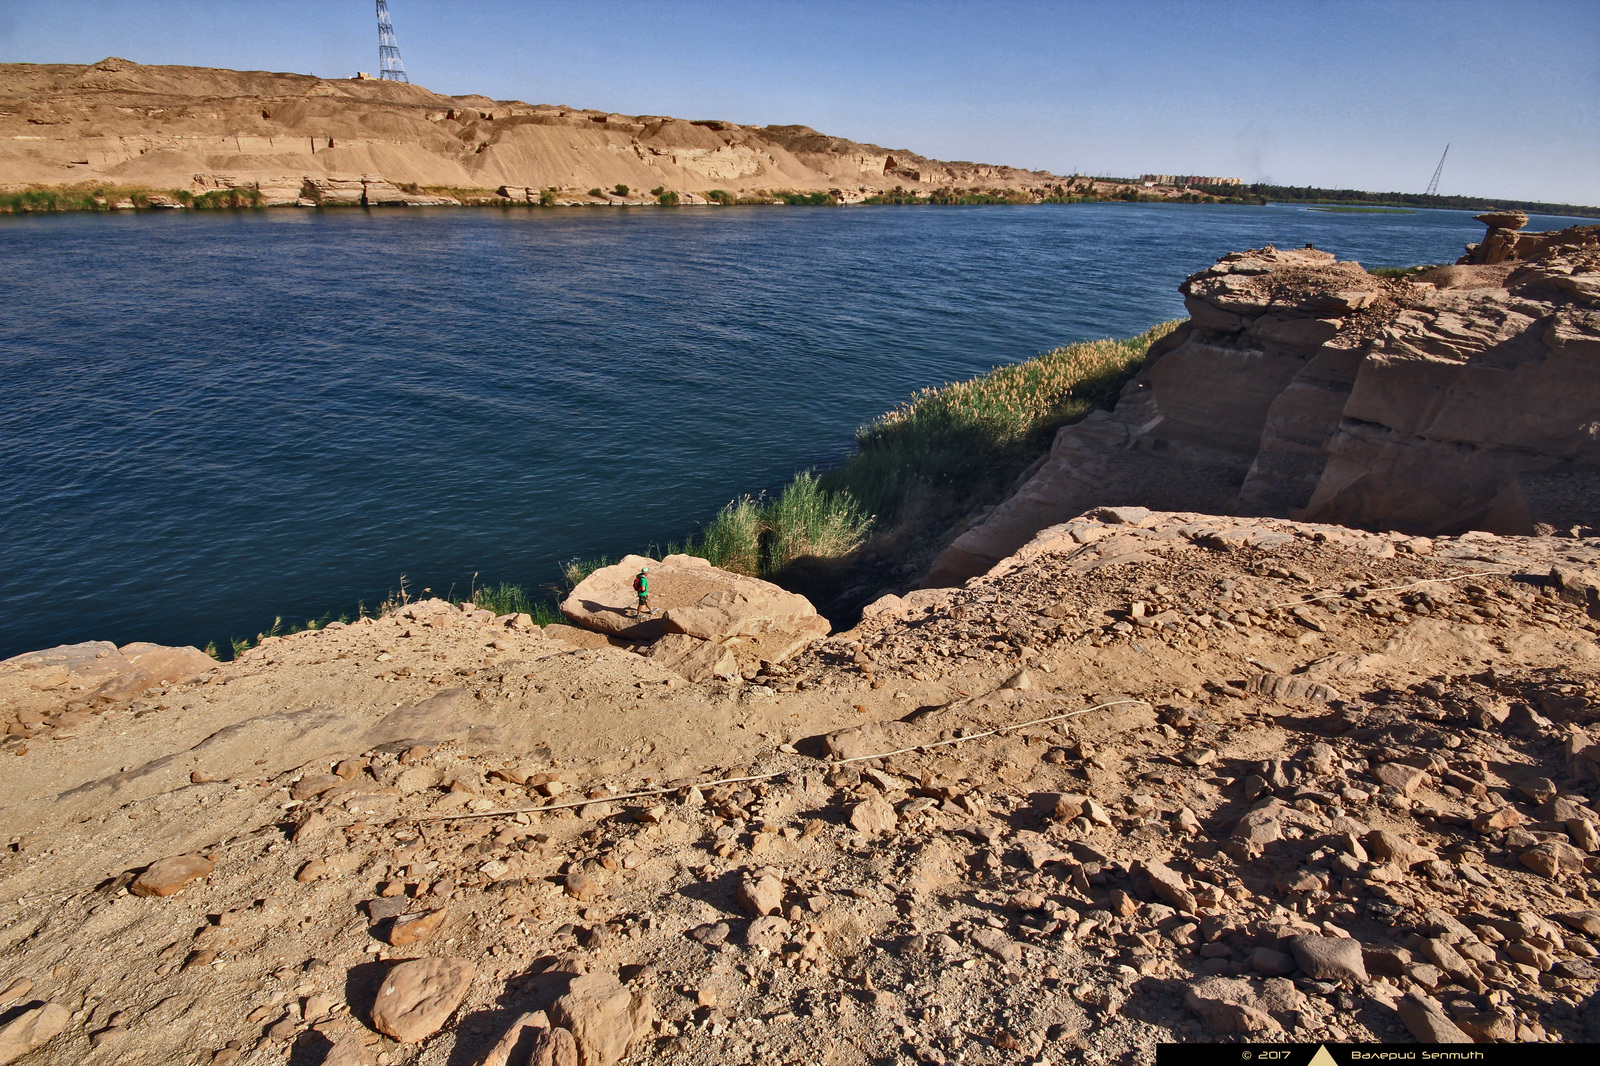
389 66
1433 186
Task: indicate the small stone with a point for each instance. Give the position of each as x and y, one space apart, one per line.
998 944
710 934
1223 1009
110 1036
349 768
1066 805
1328 958
513 1042
386 907
32 1029
409 929
581 886
1539 789
1426 1021
1404 779
1259 827
310 825
770 932
1390 847
1021 681
1543 860
316 1008
348 1050
1269 962
554 1046
167 876
761 895
873 817
1168 884
418 996
603 1016
314 785
311 871
1503 818
16 990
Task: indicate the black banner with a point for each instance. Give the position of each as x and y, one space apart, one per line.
1373 1054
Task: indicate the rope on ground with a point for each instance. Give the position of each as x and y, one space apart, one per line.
1391 588
763 777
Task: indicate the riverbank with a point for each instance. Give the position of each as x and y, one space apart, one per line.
921 475
47 199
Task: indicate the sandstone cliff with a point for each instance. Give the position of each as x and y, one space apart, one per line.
1463 397
301 138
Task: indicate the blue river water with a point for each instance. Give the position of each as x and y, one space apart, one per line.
213 419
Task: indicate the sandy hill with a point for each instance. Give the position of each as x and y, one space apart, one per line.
198 128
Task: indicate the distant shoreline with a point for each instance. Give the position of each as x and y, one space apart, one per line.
118 199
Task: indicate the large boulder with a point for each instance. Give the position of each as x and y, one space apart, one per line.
755 619
96 671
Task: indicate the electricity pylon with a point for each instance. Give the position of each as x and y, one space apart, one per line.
1433 186
389 66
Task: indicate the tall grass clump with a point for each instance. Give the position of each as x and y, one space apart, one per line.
762 538
970 438
503 598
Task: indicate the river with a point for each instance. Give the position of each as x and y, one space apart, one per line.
213 419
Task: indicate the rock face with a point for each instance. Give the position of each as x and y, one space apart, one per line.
1462 398
704 612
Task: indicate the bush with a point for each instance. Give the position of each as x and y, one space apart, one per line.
722 196
547 198
620 190
596 192
668 199
658 190
807 199
971 438
502 599
762 538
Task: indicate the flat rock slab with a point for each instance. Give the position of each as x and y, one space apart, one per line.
167 876
32 1029
418 996
693 658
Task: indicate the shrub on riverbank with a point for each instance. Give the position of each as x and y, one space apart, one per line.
972 437
103 197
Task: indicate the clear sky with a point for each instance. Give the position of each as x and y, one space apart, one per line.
1350 94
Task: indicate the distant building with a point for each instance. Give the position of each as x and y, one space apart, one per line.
1188 179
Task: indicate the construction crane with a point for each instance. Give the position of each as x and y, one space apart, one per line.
1433 186
389 66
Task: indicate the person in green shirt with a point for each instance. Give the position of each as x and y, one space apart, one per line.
641 585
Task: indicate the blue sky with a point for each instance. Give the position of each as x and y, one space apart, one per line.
1348 94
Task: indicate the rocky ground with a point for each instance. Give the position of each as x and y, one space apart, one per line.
1157 777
